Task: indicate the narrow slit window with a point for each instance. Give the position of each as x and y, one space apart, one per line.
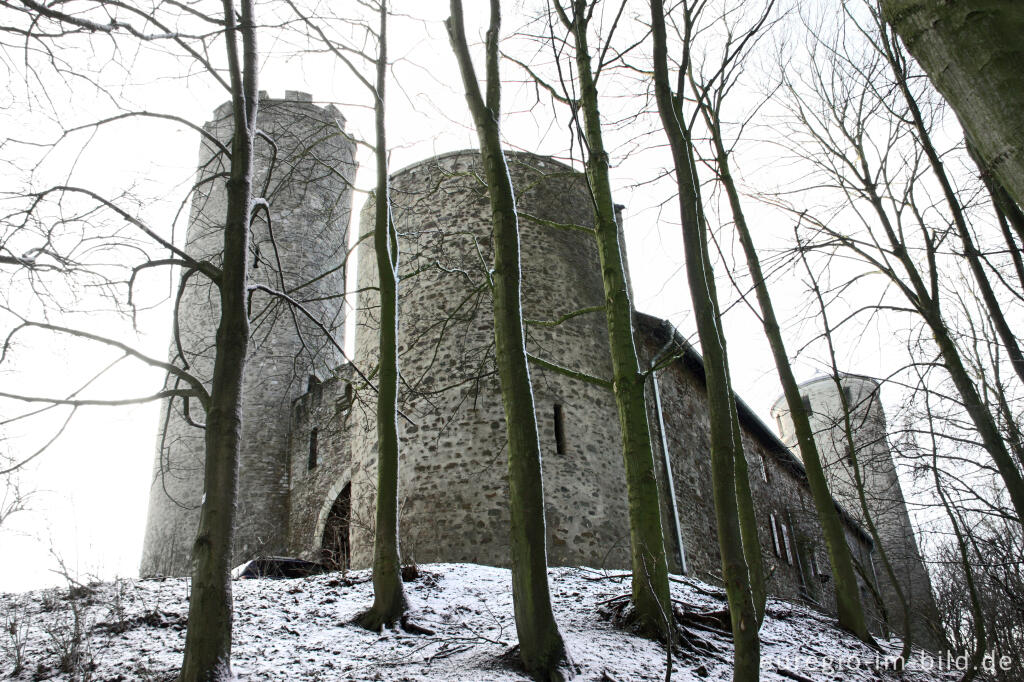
764 468
314 436
787 547
559 430
806 402
775 534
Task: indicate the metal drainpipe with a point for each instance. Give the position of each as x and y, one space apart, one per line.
668 474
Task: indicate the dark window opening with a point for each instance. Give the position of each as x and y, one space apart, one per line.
312 382
781 543
343 404
787 543
806 402
559 430
776 545
314 436
335 549
848 394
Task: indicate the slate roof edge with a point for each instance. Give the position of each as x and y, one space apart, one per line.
664 331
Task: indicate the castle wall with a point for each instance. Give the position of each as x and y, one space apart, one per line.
453 483
453 493
308 444
883 494
778 485
314 484
309 195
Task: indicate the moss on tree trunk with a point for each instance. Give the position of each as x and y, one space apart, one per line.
208 638
650 588
541 648
735 572
388 596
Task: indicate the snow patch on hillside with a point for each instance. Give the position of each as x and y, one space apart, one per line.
300 630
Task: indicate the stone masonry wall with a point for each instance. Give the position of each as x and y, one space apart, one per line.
326 407
452 488
300 251
777 482
453 484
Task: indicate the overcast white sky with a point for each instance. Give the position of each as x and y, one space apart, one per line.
92 485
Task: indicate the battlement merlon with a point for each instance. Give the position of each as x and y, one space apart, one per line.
294 98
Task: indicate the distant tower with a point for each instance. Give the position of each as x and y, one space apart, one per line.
301 252
883 494
453 470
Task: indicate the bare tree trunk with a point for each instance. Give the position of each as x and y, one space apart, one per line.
980 416
927 304
388 596
972 52
747 515
858 479
208 638
848 605
723 455
1008 214
651 596
540 644
893 57
920 286
977 613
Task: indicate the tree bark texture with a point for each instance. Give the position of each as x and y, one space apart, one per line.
747 515
207 654
650 588
388 595
972 52
541 648
723 457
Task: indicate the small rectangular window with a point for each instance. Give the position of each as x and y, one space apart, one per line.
775 534
848 394
787 545
806 402
313 445
559 430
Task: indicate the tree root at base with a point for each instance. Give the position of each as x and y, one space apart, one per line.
375 621
687 642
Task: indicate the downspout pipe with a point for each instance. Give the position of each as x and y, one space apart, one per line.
668 472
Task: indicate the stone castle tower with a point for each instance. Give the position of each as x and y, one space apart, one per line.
883 496
309 456
308 183
453 438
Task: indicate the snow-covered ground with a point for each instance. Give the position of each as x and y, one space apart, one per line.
300 630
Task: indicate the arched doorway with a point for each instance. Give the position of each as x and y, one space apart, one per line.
334 547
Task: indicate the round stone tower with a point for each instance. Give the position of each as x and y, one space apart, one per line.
453 470
305 175
883 494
